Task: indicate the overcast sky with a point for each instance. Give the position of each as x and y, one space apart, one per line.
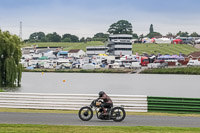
84 18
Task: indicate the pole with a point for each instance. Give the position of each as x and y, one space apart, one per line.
20 30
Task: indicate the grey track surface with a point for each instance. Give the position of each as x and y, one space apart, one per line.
73 119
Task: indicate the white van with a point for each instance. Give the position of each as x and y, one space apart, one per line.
116 65
193 63
135 65
127 65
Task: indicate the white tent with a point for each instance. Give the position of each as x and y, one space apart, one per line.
162 40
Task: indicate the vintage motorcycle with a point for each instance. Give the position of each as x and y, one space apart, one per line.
113 113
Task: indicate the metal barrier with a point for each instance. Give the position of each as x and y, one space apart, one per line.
173 104
133 103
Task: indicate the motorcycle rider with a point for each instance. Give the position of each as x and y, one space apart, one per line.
107 102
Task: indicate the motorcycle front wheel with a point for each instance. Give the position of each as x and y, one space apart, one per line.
85 113
118 114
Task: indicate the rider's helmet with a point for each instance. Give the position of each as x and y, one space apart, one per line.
101 93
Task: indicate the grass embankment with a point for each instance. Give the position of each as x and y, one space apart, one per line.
67 45
182 70
81 70
76 112
137 48
24 128
163 49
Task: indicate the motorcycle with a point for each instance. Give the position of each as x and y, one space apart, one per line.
116 114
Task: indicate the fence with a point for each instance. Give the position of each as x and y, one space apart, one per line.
133 103
173 104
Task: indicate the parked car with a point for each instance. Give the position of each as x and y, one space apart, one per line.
64 66
177 41
116 65
153 65
193 63
197 41
188 40
127 65
88 66
163 64
135 65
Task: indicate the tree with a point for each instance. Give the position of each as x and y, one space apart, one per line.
121 27
183 34
100 37
69 38
10 55
74 38
194 34
135 36
53 37
66 38
88 39
82 39
151 29
141 37
37 37
151 35
169 34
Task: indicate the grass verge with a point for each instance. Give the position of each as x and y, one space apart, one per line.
182 70
81 70
76 112
24 128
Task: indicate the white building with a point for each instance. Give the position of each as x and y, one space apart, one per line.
76 53
95 50
119 44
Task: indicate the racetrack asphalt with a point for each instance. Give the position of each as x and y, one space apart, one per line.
73 119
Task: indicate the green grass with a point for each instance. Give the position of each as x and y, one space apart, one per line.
39 111
81 70
76 112
163 49
137 48
28 128
66 45
183 70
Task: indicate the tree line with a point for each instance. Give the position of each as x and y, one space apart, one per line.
54 37
120 27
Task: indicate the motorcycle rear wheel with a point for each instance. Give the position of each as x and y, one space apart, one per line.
85 113
118 114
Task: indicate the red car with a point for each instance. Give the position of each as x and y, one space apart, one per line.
177 41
